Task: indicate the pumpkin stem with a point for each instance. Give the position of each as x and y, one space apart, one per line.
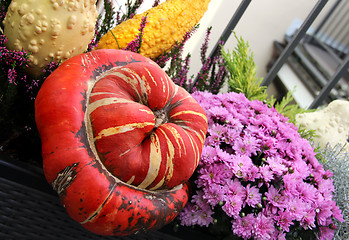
161 117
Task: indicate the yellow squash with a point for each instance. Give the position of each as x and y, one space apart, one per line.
167 23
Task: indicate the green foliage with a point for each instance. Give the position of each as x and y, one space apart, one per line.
242 79
290 109
287 107
336 159
242 71
8 94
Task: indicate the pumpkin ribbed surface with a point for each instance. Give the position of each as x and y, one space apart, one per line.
115 130
148 131
167 23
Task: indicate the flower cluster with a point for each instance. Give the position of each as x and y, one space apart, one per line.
12 62
259 173
2 12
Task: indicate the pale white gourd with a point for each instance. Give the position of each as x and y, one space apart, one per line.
330 123
50 29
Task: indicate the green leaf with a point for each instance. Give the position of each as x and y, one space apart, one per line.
242 79
242 71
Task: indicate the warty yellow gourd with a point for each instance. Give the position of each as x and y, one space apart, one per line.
166 24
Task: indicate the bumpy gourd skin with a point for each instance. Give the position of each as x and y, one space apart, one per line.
166 24
331 123
50 30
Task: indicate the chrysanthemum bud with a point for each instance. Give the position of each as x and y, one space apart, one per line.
333 226
290 170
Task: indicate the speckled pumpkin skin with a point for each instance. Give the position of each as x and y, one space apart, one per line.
91 193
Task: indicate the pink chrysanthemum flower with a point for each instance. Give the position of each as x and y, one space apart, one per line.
243 226
264 228
253 196
233 206
326 233
275 198
258 172
284 219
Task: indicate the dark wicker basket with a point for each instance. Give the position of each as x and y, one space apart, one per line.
30 209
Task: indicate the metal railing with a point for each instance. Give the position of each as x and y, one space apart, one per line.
327 34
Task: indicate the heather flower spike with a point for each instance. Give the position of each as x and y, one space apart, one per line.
135 45
213 71
13 62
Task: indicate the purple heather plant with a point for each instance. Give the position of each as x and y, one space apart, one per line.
104 22
12 62
131 8
135 45
175 55
209 77
178 67
156 2
336 159
3 10
17 95
258 175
